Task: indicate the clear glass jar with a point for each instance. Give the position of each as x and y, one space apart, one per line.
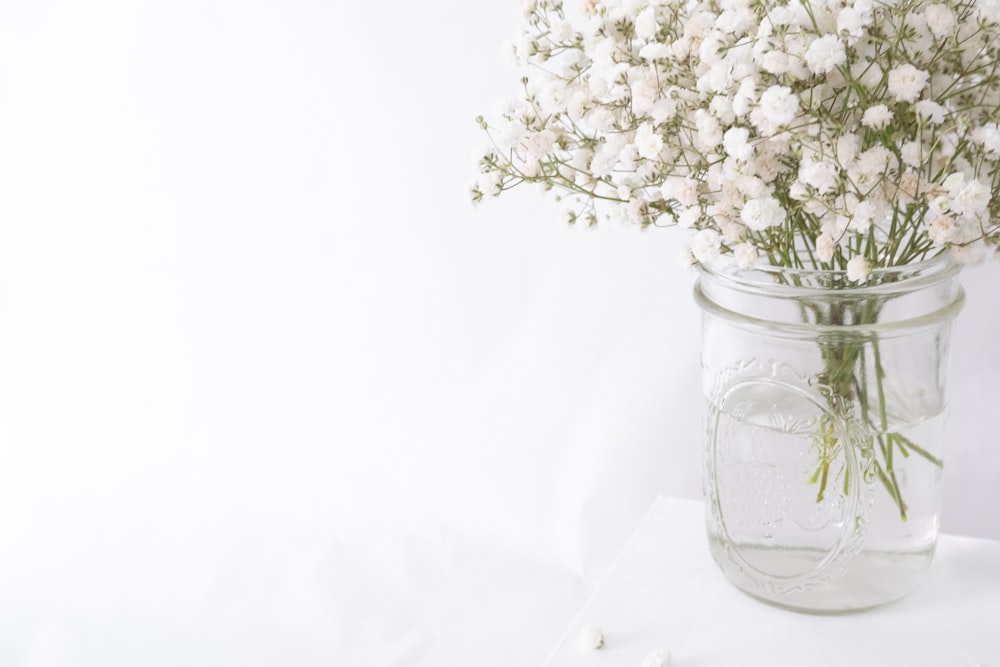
825 429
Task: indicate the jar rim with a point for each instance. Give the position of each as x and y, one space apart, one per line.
772 279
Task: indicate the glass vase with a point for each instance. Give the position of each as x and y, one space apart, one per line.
825 433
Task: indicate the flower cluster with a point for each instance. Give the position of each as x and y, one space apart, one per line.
830 134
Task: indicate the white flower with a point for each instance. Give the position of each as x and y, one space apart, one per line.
781 15
645 23
851 22
940 20
732 232
705 245
709 131
648 142
819 174
627 157
988 136
968 254
826 244
577 105
731 117
601 119
825 54
591 637
744 98
689 217
776 109
858 269
540 144
663 110
931 112
848 146
659 658
745 255
864 216
973 200
877 117
716 80
775 62
602 163
636 209
490 183
735 21
906 82
682 190
954 184
873 162
735 143
654 51
912 153
510 133
531 167
562 31
759 214
721 107
939 205
941 230
710 51
553 97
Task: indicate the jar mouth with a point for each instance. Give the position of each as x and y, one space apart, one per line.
801 282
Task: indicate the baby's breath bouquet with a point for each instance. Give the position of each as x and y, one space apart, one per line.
852 137
829 134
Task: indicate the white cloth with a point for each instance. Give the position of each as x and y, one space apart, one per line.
665 592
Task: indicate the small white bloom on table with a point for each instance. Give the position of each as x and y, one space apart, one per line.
658 658
591 638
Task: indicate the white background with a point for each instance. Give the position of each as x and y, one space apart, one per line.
273 392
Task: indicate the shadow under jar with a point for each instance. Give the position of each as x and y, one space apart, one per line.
825 431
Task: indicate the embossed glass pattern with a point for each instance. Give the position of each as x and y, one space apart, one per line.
825 429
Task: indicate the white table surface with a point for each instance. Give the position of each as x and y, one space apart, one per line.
665 592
